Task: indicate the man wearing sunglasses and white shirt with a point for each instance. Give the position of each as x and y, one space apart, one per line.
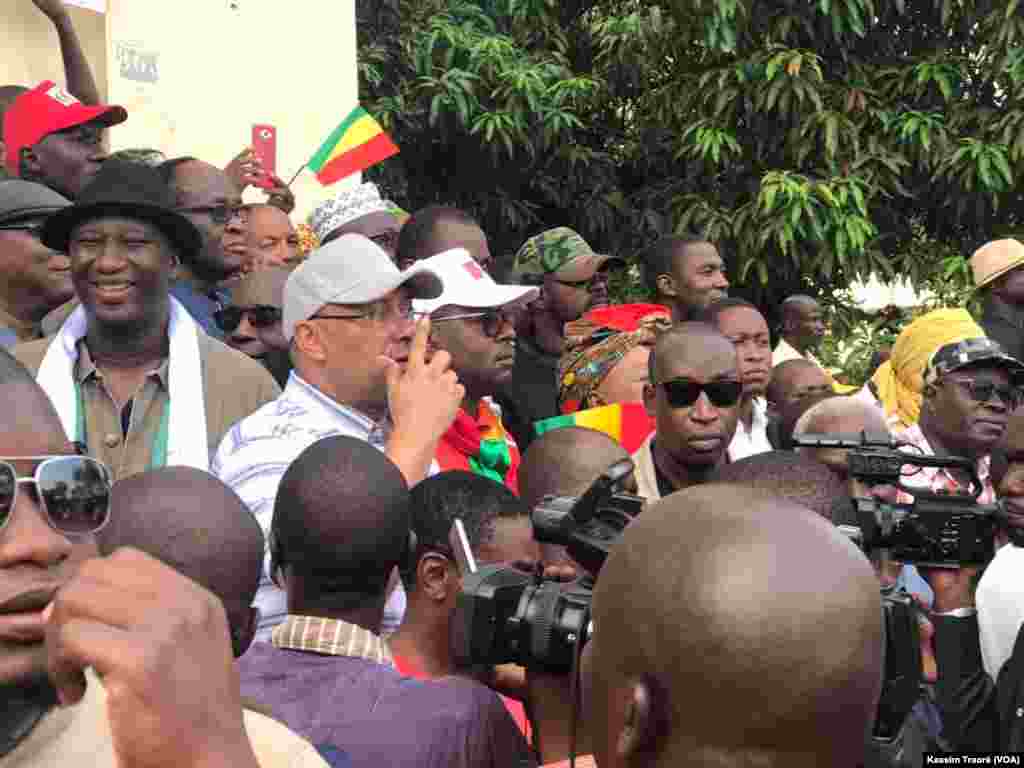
361 370
474 322
693 394
37 279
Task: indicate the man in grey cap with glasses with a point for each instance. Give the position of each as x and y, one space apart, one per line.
362 369
36 280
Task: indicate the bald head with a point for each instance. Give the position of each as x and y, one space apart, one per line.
564 462
341 523
841 415
689 345
795 379
698 634
795 477
191 521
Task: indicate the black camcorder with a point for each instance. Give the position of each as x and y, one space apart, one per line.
506 616
935 529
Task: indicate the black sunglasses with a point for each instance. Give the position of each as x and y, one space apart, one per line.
36 230
682 393
73 491
229 318
220 214
492 321
984 391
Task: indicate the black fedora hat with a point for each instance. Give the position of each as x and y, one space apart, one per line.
127 190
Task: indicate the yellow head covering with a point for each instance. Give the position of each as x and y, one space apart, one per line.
898 382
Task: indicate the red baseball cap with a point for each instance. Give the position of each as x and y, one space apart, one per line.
46 109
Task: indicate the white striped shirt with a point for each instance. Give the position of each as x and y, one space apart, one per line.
252 459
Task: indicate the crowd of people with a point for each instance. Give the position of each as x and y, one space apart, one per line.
235 449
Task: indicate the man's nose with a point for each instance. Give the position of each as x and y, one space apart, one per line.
245 330
703 411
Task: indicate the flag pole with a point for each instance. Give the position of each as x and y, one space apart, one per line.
301 169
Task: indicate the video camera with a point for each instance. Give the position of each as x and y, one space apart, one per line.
506 616
935 529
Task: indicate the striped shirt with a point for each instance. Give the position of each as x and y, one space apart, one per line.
253 458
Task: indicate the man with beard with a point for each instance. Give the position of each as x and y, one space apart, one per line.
572 279
474 322
694 395
684 273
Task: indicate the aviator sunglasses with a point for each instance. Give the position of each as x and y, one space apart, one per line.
229 318
73 491
682 393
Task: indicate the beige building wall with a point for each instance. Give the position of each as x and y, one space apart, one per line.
30 52
195 75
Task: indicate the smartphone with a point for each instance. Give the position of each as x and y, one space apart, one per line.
264 145
460 546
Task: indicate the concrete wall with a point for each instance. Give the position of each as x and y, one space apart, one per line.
195 75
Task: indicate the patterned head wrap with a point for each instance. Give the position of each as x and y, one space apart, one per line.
597 342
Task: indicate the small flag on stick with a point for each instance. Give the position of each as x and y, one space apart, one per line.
355 145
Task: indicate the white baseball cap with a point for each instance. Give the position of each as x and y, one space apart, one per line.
350 270
468 285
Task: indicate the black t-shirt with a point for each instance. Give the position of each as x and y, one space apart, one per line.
531 394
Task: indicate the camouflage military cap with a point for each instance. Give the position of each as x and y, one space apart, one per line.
960 354
560 252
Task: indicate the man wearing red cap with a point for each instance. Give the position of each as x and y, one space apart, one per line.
54 139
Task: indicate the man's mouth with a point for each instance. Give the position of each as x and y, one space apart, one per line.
21 615
112 288
705 443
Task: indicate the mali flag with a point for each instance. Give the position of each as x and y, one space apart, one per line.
626 422
354 146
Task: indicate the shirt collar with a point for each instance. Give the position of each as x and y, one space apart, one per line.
87 367
297 386
331 637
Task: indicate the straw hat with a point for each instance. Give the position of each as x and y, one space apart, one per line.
995 259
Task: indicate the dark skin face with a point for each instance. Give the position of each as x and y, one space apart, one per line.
381 227
805 324
570 300
798 383
67 160
34 556
747 330
1011 487
121 269
697 280
481 362
449 233
1010 287
201 185
962 425
37 280
699 434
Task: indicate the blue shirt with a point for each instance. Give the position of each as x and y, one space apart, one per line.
201 306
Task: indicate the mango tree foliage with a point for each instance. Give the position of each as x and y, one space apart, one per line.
815 140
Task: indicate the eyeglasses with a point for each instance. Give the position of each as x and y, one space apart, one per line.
219 214
682 393
36 230
380 313
492 321
983 391
229 318
73 491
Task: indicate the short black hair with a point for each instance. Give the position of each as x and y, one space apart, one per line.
414 239
478 501
341 519
711 312
656 259
168 171
792 476
791 414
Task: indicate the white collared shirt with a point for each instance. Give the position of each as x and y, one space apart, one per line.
755 440
252 459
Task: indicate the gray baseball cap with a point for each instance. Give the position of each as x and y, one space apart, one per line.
350 270
27 200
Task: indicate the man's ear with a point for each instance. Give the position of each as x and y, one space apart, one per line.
436 576
641 732
307 340
666 286
650 396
